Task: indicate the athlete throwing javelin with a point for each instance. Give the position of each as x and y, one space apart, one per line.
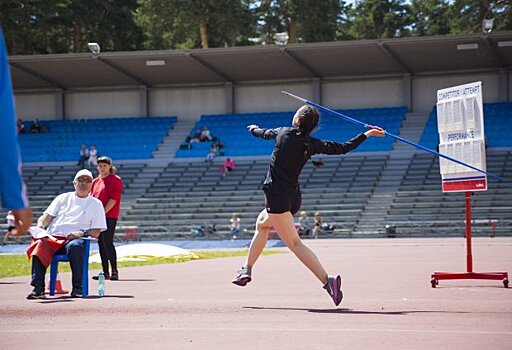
293 148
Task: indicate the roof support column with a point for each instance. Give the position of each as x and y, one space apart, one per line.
503 87
143 101
407 91
229 97
59 105
316 90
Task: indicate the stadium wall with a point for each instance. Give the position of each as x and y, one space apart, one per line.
93 104
363 93
189 102
425 88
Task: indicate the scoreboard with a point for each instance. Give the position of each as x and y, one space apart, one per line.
460 123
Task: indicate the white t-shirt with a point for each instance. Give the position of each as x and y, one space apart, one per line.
72 213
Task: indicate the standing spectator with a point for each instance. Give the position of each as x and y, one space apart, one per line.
12 188
20 126
93 157
108 187
84 156
227 167
70 217
11 229
234 225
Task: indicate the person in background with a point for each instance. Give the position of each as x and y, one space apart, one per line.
318 225
11 229
197 136
93 157
12 188
20 126
292 149
227 167
84 156
214 149
108 187
304 228
68 219
36 127
234 225
205 134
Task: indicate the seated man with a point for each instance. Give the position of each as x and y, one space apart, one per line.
69 217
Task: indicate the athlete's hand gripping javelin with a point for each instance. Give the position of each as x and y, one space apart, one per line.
251 127
375 131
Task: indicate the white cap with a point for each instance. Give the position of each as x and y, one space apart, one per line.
83 172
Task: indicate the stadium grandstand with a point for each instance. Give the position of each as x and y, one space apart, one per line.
140 115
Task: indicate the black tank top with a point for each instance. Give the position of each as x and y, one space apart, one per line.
290 154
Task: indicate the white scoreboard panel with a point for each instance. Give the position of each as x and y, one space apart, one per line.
460 123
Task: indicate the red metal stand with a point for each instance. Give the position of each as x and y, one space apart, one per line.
437 276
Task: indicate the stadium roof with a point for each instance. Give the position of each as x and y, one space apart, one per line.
324 61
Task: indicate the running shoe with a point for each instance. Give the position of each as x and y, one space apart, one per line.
243 276
333 287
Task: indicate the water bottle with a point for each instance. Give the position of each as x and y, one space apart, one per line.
101 286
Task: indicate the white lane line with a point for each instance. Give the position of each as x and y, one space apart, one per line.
231 329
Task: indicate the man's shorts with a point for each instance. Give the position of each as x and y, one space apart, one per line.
278 202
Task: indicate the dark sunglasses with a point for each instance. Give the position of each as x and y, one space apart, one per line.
84 180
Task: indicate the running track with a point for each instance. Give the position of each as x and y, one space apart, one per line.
389 303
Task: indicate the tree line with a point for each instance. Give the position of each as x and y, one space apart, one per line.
64 26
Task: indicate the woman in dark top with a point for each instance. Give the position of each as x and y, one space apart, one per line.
293 148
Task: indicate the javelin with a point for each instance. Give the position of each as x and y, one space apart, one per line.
355 121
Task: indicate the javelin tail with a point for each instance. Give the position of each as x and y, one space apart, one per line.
355 121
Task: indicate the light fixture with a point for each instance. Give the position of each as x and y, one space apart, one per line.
155 63
487 25
94 48
472 46
281 38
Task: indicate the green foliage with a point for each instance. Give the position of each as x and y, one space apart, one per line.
379 19
429 17
62 26
176 24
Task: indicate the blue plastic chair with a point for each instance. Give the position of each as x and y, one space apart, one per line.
54 269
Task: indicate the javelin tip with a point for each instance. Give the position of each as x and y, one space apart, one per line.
294 96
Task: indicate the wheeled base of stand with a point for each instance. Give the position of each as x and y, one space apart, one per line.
437 276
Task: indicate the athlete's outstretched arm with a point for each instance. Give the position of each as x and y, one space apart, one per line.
267 134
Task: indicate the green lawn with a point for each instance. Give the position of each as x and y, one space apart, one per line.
12 265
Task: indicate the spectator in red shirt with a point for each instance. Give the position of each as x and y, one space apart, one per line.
107 187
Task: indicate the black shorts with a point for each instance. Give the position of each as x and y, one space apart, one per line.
278 202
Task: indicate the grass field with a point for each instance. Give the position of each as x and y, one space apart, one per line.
12 265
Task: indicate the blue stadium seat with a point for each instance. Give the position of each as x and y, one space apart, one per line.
131 138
